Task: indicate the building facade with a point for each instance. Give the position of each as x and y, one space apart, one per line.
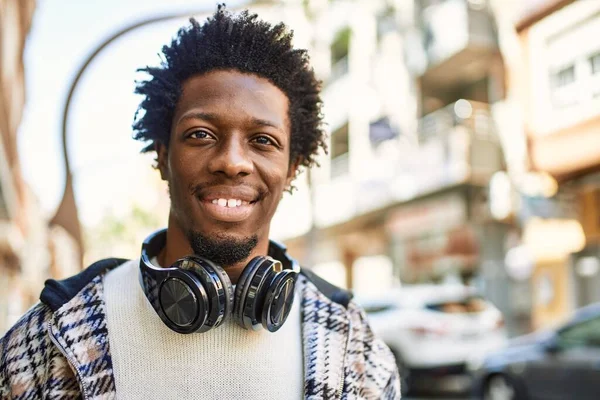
402 195
464 146
559 89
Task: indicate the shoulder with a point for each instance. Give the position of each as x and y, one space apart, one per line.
24 349
333 293
57 293
28 337
31 324
373 364
379 373
370 365
30 363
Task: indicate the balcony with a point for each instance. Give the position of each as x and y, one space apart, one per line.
455 145
465 135
459 41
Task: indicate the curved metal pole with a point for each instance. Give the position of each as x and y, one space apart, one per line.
66 214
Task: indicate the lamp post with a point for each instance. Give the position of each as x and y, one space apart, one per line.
66 214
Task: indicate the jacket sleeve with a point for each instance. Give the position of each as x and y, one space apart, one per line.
24 357
392 389
381 378
3 382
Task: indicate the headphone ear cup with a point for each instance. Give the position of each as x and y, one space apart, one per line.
278 300
243 307
181 302
217 285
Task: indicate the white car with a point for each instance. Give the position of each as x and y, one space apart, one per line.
434 332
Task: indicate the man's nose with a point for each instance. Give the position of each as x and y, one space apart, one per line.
232 159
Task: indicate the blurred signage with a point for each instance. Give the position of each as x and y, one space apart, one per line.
563 205
439 253
381 130
438 214
550 239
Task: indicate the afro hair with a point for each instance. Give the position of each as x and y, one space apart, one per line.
239 42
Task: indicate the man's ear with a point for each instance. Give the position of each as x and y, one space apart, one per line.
162 160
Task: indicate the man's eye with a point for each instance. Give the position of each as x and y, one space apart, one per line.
263 140
199 135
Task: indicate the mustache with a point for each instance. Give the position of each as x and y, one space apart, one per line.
196 189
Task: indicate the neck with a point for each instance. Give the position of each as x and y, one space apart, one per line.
178 246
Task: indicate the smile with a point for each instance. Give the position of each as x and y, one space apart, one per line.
227 210
229 202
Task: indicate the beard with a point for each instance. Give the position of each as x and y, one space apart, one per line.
224 250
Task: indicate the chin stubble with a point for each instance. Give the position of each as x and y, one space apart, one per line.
222 249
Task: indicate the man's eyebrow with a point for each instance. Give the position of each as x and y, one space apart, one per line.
264 122
215 117
199 115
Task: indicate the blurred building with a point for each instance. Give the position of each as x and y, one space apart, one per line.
15 221
30 252
464 145
402 195
557 84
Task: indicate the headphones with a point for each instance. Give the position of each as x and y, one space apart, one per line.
196 295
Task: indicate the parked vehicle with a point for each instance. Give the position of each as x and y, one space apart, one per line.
433 330
563 363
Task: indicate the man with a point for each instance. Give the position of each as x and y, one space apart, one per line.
212 309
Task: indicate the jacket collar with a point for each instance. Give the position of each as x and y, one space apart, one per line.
78 328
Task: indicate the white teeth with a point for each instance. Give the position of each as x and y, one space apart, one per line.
229 202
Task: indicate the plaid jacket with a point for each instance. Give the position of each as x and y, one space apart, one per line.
59 349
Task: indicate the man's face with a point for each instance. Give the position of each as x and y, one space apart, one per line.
228 160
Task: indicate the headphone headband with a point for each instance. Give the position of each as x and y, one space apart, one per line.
156 241
196 295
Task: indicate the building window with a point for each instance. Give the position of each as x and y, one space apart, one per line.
595 63
386 22
339 53
339 151
563 77
564 89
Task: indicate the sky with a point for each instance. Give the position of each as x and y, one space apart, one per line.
105 160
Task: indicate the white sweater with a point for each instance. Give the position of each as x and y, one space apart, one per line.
152 362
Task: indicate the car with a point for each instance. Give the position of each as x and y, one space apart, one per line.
433 331
552 364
